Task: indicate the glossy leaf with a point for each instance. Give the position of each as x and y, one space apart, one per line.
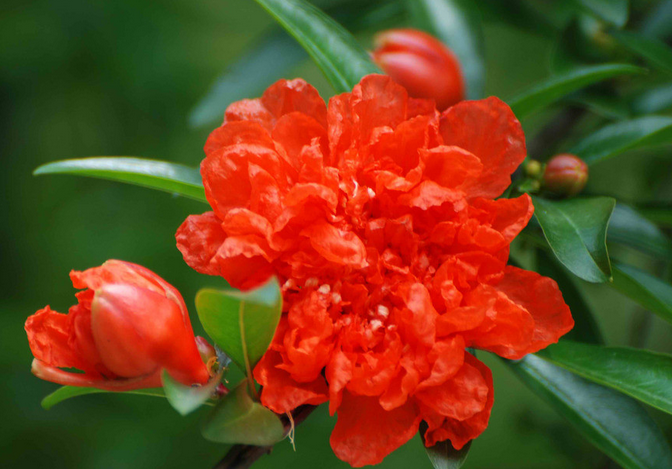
653 100
335 51
651 292
67 392
656 53
614 422
186 399
458 24
586 329
549 91
442 455
241 323
237 419
576 232
169 177
611 11
630 228
642 374
620 137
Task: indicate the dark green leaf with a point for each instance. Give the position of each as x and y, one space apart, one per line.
647 290
186 399
549 91
237 419
611 11
642 374
585 328
620 137
576 232
630 228
661 214
613 422
653 100
458 24
169 177
66 392
242 324
343 61
442 455
658 22
608 106
656 53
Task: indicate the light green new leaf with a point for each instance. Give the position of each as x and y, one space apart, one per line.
335 51
442 455
237 419
458 24
549 91
656 53
611 11
241 324
67 392
169 177
623 136
576 231
186 399
647 290
642 374
630 228
613 422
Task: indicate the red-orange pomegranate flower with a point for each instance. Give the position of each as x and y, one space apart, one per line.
128 325
378 215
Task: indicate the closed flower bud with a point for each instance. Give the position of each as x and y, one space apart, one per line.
128 326
565 175
422 64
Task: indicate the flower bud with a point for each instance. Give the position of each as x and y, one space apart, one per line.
129 325
420 63
565 175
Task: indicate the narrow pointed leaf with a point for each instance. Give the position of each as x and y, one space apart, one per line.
458 24
186 399
655 52
630 228
611 11
67 392
586 329
661 214
237 419
642 374
658 22
556 87
653 100
576 231
650 292
442 455
161 175
229 315
620 137
613 422
335 51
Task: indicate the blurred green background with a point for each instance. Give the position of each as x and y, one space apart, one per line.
81 78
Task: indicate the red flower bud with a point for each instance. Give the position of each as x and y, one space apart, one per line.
129 325
565 175
420 63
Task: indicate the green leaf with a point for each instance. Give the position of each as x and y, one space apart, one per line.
653 100
608 106
442 455
551 90
576 232
647 290
186 399
67 392
620 137
660 214
458 24
656 53
630 228
615 423
242 324
169 177
642 374
237 419
658 21
335 51
586 329
611 11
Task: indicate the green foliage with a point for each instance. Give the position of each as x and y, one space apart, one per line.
647 290
654 52
611 11
186 399
67 392
630 228
576 231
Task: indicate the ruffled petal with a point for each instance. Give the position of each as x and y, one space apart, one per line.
48 333
341 247
244 261
286 96
198 239
252 110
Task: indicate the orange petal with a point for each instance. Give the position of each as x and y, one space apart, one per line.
198 239
341 247
48 333
285 96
